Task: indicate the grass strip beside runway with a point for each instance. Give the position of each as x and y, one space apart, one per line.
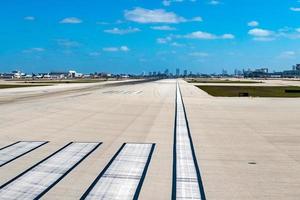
253 91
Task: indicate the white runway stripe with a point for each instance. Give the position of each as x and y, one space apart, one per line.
37 180
123 176
187 181
11 152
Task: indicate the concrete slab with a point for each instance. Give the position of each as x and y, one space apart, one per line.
230 135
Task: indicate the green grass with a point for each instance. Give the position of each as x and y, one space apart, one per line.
220 81
5 86
253 91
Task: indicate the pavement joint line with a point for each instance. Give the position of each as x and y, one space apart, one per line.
187 182
34 182
15 150
123 176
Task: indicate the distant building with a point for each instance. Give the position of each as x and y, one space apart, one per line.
166 72
177 72
185 72
296 67
257 73
74 74
57 75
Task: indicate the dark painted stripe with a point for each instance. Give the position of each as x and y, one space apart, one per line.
10 145
45 191
22 153
174 150
101 173
137 192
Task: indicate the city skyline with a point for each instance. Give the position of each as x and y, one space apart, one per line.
135 36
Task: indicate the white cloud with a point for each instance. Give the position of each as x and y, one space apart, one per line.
29 18
67 43
270 35
124 48
71 20
169 2
163 40
35 49
295 9
176 44
287 54
196 19
163 28
258 32
166 3
144 16
214 2
111 49
116 49
201 35
122 31
208 36
227 36
253 23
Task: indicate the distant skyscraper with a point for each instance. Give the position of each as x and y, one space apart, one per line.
177 72
167 72
185 72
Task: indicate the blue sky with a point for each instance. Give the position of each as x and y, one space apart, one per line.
134 36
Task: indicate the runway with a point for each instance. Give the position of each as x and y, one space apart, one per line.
245 148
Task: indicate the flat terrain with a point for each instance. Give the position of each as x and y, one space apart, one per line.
253 91
247 148
6 86
203 80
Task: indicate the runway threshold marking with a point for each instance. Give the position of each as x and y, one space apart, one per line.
123 176
187 183
40 178
17 149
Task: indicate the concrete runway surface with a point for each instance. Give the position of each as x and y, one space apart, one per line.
245 148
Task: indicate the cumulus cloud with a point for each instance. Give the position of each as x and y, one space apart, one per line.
214 2
169 2
295 9
208 36
124 48
29 18
166 3
71 20
164 40
116 49
196 19
253 23
122 31
258 32
176 44
163 28
144 16
270 35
